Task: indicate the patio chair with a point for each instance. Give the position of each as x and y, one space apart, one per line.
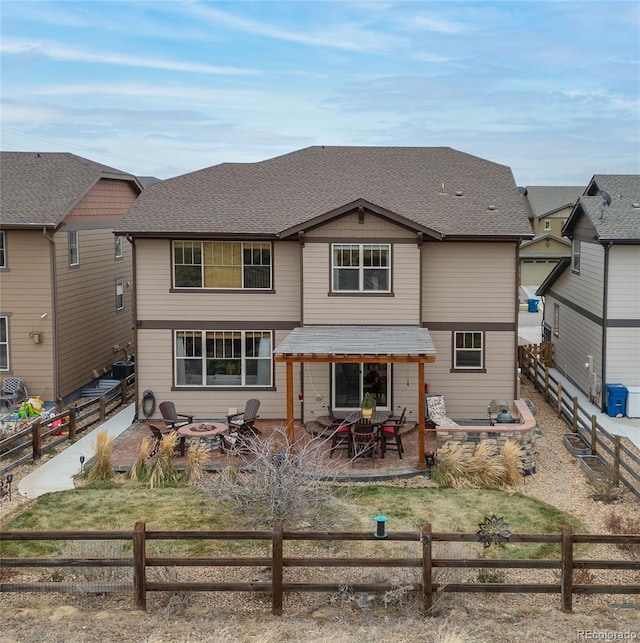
13 391
390 435
436 411
172 418
365 440
244 422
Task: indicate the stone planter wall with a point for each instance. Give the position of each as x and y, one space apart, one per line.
522 432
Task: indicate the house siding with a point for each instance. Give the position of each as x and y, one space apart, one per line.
25 295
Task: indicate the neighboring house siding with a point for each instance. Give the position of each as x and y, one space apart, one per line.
25 295
535 271
585 290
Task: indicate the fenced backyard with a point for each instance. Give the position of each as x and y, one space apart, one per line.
379 555
622 463
27 440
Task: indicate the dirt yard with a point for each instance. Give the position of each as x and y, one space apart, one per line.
31 618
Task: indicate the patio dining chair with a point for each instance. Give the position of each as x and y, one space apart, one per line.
365 440
390 435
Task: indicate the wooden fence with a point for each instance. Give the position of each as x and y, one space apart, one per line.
277 586
624 463
39 436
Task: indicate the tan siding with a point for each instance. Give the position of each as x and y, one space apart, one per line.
469 281
401 308
88 323
349 227
535 272
623 356
157 302
25 294
154 371
624 283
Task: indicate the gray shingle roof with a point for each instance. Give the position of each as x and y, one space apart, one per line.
545 199
620 220
41 188
272 196
357 340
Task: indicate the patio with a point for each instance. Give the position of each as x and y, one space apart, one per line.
127 446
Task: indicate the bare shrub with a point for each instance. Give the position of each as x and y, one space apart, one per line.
618 524
286 483
606 488
99 550
101 469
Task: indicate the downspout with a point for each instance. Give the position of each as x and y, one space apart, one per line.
516 379
301 295
605 298
46 233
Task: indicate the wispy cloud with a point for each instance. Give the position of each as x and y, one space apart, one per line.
57 51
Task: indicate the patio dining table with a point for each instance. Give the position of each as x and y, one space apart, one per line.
378 418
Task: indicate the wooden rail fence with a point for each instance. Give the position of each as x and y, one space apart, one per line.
277 586
624 463
40 436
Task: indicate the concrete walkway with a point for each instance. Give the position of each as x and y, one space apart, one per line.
57 474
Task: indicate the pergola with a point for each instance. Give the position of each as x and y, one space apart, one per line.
359 344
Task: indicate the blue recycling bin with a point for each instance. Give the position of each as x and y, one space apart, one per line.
616 400
532 305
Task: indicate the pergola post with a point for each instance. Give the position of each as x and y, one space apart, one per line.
290 420
422 464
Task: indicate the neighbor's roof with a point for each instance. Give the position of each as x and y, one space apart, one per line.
547 199
332 341
417 185
618 220
41 188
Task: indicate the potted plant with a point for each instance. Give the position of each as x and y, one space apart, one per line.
367 406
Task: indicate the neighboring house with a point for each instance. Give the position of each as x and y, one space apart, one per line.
549 209
366 259
65 279
592 299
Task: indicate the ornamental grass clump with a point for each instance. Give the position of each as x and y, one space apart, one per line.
162 472
196 459
101 469
140 470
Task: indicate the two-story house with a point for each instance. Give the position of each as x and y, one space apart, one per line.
311 278
65 279
549 208
592 299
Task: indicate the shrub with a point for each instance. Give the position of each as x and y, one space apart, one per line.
616 524
101 469
162 471
139 472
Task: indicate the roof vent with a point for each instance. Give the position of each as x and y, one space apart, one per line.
491 207
458 192
636 206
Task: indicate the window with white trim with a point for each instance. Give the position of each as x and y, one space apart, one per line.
575 256
556 319
119 294
468 350
118 247
74 250
223 358
3 252
222 264
547 224
4 343
360 267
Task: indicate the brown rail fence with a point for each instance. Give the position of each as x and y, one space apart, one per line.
277 585
35 437
614 450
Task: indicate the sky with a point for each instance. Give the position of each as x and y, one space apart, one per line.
162 88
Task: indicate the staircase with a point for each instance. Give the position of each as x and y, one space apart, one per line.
99 387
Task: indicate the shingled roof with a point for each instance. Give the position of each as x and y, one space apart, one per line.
618 220
434 189
41 188
547 199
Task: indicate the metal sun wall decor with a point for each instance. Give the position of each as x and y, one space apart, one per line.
493 530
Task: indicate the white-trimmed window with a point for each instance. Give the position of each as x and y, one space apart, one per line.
117 248
468 350
4 344
575 256
361 267
547 224
556 319
223 358
222 264
119 294
3 251
74 249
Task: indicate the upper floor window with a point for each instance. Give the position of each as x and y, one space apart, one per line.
74 250
119 294
3 252
222 264
547 224
361 267
223 358
4 344
556 319
468 350
575 256
118 247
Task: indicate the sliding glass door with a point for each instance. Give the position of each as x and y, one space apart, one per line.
352 381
